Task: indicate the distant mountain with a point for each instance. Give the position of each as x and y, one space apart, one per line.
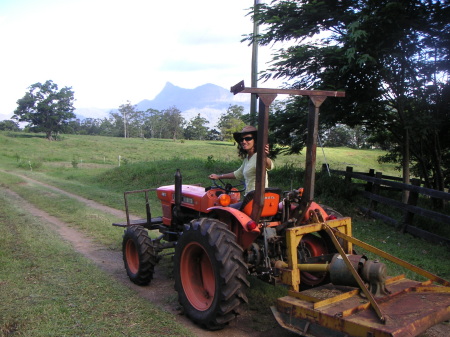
208 100
207 95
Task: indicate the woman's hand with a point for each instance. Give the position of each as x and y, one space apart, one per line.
268 161
213 176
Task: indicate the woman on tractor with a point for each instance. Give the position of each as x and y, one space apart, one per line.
246 140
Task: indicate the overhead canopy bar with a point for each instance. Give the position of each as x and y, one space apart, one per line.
266 97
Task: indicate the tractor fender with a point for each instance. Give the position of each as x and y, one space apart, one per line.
314 207
237 222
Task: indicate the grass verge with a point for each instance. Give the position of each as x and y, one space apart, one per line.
47 289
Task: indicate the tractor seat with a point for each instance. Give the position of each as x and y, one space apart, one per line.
271 200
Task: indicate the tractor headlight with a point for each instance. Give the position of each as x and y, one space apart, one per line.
224 200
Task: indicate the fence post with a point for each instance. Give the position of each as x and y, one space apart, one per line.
412 200
375 189
370 184
348 174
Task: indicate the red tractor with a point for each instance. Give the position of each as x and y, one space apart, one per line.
278 236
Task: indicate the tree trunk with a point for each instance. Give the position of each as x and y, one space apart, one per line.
405 165
439 175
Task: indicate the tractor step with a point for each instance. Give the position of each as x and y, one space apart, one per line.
411 308
154 223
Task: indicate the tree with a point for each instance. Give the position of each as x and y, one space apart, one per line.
150 122
9 125
231 121
46 108
173 123
154 124
213 134
340 135
89 126
132 120
391 58
128 121
196 128
288 125
117 124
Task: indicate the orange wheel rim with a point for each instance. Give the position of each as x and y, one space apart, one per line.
132 256
315 246
197 276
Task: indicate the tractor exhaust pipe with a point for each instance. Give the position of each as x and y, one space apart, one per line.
178 183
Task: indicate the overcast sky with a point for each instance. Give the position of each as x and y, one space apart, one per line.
111 51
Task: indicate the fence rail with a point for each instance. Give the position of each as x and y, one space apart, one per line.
377 181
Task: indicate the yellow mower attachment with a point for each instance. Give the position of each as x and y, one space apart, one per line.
371 306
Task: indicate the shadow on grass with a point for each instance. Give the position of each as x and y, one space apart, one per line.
222 144
25 135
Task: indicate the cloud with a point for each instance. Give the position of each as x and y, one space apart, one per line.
111 51
184 65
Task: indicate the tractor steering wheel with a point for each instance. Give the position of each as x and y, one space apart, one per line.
227 187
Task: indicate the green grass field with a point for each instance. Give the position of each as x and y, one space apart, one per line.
96 151
32 288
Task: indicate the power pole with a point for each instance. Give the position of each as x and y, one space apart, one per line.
254 75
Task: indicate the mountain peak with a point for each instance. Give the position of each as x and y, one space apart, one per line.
169 85
185 99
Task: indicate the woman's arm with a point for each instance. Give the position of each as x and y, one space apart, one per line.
269 163
222 176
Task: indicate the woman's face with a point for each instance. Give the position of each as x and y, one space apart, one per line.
247 142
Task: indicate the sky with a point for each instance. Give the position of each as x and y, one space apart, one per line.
114 51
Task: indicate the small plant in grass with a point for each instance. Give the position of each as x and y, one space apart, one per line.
210 162
74 163
29 164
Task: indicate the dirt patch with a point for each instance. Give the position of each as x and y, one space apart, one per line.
78 164
160 291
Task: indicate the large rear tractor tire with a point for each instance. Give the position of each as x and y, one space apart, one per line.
330 245
331 212
210 273
139 255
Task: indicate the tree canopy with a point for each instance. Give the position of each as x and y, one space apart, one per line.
9 125
391 58
231 121
45 108
196 128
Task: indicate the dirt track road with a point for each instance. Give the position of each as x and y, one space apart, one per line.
161 287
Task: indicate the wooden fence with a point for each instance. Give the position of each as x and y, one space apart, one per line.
375 182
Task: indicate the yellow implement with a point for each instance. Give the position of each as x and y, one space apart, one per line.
403 308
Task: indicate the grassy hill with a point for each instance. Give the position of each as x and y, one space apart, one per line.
24 148
111 165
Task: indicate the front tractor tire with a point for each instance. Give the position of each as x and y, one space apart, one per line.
210 273
139 255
